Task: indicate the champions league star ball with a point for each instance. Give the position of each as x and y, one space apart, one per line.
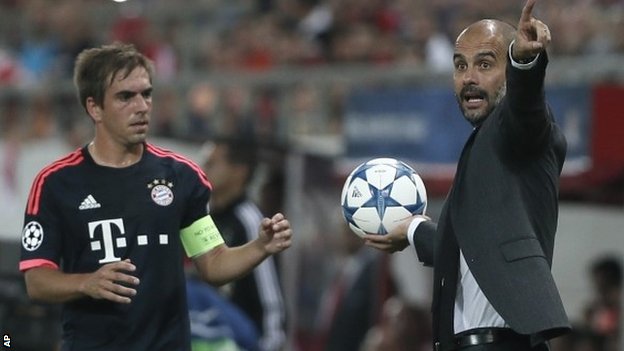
381 193
32 236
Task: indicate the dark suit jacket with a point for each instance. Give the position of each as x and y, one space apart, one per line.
503 208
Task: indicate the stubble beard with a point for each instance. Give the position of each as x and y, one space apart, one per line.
476 117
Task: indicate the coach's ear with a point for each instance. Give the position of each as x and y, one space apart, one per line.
94 110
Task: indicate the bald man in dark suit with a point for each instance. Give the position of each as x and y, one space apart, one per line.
492 247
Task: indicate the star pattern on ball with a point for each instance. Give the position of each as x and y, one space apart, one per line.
380 194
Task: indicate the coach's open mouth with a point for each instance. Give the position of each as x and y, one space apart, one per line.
473 99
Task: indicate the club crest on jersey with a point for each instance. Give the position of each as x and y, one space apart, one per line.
161 191
32 236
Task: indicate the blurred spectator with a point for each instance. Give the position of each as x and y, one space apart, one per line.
202 101
9 68
352 301
306 115
11 138
230 164
42 117
258 39
265 109
602 314
39 47
337 98
165 116
600 327
74 32
134 28
314 21
403 327
272 191
353 43
237 118
433 46
217 324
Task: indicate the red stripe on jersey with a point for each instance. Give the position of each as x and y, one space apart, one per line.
36 263
167 153
35 192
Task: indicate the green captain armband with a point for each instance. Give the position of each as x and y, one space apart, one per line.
200 237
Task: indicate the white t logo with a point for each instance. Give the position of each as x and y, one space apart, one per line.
107 238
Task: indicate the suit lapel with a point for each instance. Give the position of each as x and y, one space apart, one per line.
447 260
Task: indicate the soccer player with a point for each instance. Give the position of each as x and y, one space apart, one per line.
106 226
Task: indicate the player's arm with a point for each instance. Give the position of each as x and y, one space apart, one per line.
110 282
222 264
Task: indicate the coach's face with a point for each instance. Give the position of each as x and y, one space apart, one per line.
480 59
125 114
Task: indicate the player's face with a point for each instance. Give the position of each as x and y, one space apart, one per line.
125 114
480 60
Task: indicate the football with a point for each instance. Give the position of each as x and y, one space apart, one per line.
379 194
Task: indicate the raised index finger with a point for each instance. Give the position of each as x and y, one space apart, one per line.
527 10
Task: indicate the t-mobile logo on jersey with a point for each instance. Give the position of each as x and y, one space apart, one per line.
110 242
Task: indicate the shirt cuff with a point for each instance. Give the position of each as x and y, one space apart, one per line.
411 230
518 65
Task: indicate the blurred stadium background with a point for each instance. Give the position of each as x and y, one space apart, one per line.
322 85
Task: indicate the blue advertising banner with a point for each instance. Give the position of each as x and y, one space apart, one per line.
572 107
424 126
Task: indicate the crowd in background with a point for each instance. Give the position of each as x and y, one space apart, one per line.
194 38
39 39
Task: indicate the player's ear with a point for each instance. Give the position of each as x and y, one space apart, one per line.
93 109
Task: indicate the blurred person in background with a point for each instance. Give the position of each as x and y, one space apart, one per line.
351 304
230 163
402 327
202 99
216 323
602 315
39 47
105 227
492 248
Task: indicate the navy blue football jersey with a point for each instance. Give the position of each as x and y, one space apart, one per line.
81 215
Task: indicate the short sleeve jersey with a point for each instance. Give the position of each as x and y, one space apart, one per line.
81 215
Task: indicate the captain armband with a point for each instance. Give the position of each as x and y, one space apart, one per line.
200 237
